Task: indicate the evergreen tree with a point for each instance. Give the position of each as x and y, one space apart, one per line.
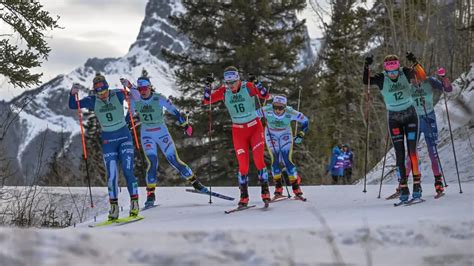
29 22
339 113
259 37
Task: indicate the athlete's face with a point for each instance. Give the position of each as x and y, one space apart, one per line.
233 85
278 108
393 74
145 91
103 95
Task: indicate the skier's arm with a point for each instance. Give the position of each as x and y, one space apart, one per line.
86 102
259 112
257 90
374 80
217 95
302 119
170 108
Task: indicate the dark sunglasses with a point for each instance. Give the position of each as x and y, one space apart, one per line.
143 88
278 107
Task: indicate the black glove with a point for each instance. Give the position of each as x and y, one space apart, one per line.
252 77
411 57
209 79
369 60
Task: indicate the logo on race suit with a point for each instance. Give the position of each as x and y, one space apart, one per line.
148 145
240 151
105 141
396 87
257 145
236 98
165 140
396 131
107 108
285 138
147 109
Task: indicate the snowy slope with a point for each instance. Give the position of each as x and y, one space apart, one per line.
354 229
461 112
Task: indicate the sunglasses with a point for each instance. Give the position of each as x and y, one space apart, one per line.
143 88
230 82
278 107
392 72
101 92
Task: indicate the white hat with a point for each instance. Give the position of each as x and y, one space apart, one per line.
279 99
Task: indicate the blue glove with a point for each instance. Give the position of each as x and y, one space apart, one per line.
207 93
299 137
261 89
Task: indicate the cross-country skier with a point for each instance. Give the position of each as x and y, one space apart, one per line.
247 130
336 166
116 140
154 132
279 139
348 161
394 84
423 97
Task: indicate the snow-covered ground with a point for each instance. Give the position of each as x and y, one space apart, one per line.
338 225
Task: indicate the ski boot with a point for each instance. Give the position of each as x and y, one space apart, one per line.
439 185
278 189
134 206
244 195
265 193
416 188
114 210
150 197
196 184
404 193
297 190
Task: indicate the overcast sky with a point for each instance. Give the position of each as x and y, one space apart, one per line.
97 28
91 28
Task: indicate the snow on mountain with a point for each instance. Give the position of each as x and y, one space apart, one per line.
354 229
461 109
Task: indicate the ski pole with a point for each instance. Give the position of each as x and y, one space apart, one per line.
84 148
210 78
367 113
271 141
127 98
299 99
452 140
383 165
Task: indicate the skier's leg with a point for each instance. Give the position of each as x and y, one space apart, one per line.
432 142
273 150
257 144
239 139
411 131
286 144
241 148
126 155
110 156
151 157
398 141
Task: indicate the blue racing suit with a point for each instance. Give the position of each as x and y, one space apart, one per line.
116 140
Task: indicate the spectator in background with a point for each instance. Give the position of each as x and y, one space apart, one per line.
348 160
336 166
